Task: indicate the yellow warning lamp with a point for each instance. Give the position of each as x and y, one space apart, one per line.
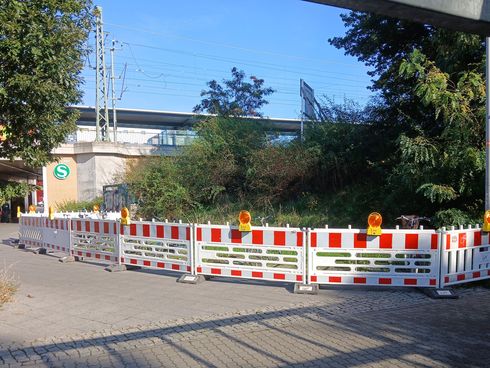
374 224
18 212
32 209
486 221
125 216
50 213
96 208
245 218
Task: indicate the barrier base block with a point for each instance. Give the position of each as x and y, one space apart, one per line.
67 259
14 242
191 279
444 293
21 246
78 258
311 289
116 268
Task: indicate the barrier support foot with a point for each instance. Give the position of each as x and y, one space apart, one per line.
78 258
311 289
444 293
132 267
116 268
191 279
67 259
21 246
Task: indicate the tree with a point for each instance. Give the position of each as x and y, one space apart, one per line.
235 98
42 50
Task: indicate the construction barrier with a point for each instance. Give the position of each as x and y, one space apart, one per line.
465 256
395 258
413 258
267 253
97 239
157 245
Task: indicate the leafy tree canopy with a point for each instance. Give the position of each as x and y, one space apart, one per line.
41 56
236 97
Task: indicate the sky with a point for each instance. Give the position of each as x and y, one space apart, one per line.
166 51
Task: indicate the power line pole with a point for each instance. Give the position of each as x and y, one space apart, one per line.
113 89
101 109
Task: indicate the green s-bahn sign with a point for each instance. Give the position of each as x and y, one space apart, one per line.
61 171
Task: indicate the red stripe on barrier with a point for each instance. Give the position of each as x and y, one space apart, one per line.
359 280
215 271
433 282
257 237
410 282
313 278
279 276
147 263
411 241
299 239
313 240
335 240
199 269
384 281
448 241
434 241
477 239
199 234
132 229
460 277
236 273
79 225
88 254
121 229
257 274
96 227
97 256
446 279
476 275
87 226
216 235
160 265
160 232
176 267
462 240
133 261
279 238
115 227
146 230
106 228
174 232
187 233
236 236
79 253
336 279
299 278
360 240
386 242
188 268
107 258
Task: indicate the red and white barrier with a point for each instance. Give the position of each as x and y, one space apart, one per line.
157 245
465 256
275 254
396 258
31 230
56 235
97 239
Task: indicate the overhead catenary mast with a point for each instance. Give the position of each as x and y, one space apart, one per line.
101 108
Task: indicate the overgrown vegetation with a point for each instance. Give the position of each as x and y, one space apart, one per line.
8 285
76 206
417 148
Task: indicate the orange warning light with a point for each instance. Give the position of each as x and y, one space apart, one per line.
374 224
50 213
245 220
125 216
96 208
486 221
18 212
32 209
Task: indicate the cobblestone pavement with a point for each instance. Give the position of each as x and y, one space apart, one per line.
338 328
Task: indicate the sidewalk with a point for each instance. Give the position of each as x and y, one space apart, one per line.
68 314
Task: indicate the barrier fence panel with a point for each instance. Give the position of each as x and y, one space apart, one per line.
396 258
268 253
97 239
31 230
157 245
465 256
57 234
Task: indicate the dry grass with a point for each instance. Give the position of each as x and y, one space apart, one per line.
8 285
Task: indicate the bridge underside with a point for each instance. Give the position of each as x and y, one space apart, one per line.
472 16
